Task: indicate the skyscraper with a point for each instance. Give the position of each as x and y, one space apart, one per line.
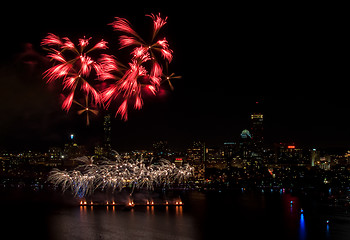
256 122
196 156
107 128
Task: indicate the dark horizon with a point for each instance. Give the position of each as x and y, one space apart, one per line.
288 58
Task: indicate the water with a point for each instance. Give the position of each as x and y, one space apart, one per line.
113 223
245 215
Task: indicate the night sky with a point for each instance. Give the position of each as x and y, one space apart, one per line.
289 58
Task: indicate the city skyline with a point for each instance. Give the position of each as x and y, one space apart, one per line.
96 135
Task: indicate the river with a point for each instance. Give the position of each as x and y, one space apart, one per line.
247 215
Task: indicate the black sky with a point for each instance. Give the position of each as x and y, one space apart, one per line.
289 58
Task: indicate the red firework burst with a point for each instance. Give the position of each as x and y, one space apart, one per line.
78 71
74 67
145 69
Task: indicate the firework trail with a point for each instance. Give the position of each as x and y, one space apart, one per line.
86 109
78 71
117 175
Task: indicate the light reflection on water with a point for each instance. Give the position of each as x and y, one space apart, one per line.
302 229
141 222
204 216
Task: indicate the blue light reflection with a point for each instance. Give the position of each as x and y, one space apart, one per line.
302 229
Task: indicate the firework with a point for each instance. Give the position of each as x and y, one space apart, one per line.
117 175
86 109
145 69
73 67
79 72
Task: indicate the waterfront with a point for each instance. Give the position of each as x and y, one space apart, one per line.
203 216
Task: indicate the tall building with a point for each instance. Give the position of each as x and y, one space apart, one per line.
196 156
257 127
107 129
257 124
229 150
315 156
245 145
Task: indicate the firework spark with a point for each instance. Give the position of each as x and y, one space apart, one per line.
158 23
86 109
117 175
